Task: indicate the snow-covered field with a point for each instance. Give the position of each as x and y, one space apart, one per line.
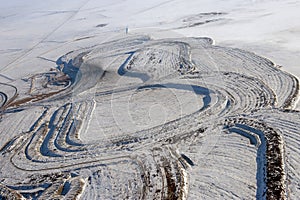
129 99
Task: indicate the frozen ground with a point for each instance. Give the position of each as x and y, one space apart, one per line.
268 27
162 112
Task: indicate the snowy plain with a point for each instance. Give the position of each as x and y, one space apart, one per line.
268 27
171 144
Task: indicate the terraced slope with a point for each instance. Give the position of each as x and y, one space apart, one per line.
137 118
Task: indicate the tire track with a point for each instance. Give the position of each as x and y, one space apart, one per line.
100 134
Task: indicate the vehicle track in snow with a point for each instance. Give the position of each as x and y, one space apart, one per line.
137 118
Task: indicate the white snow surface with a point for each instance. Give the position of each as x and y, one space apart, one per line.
115 152
33 28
